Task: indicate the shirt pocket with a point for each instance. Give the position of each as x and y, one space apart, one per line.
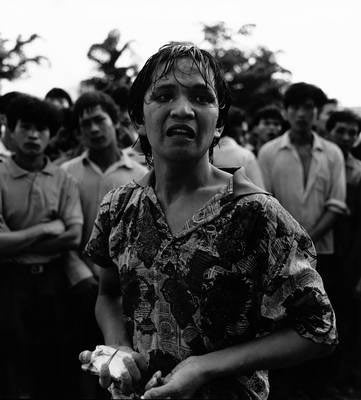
321 184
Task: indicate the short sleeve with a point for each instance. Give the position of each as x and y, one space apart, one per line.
70 205
294 293
97 247
336 200
265 163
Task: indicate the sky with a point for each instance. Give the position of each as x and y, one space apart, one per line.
319 39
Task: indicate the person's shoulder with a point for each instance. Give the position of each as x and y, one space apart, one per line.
272 145
331 148
268 208
72 163
245 153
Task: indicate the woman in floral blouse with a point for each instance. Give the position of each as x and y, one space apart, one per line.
207 282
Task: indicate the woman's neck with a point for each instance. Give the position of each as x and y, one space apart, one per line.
173 180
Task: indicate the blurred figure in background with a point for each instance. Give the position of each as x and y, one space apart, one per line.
65 144
306 173
343 128
329 107
229 156
102 167
267 124
6 147
59 98
40 220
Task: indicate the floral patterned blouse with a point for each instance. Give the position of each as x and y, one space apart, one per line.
241 268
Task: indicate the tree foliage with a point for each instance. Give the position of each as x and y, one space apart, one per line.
13 60
254 76
108 55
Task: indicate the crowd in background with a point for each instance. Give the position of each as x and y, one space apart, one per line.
93 148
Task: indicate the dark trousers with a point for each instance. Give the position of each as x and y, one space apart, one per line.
33 337
314 376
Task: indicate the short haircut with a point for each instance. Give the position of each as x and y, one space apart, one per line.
301 91
33 110
236 116
58 93
268 112
93 99
346 116
120 95
5 101
168 55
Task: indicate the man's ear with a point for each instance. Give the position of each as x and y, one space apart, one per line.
218 132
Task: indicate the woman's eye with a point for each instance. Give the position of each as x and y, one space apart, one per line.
204 98
161 97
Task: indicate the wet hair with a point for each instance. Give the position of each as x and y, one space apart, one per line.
236 116
92 99
167 56
58 93
268 112
346 116
33 110
301 91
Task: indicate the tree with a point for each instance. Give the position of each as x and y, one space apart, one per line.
255 77
107 55
13 60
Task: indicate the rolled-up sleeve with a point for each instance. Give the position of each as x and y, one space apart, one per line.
336 200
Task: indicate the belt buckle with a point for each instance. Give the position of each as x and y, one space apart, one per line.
37 269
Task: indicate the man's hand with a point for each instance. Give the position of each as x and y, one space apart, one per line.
122 365
182 383
54 228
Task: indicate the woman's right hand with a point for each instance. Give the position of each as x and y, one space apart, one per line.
122 365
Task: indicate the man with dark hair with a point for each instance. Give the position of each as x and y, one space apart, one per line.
306 173
59 98
343 128
5 142
40 220
267 124
102 167
228 155
327 109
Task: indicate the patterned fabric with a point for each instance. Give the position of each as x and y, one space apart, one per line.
241 268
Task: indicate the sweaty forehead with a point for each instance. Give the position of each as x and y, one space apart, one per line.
185 71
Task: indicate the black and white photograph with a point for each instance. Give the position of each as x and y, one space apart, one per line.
180 200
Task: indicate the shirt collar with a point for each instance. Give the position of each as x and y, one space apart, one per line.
124 161
17 172
286 142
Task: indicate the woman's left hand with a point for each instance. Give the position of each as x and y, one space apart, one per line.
182 383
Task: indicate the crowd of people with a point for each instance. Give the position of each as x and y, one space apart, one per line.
203 245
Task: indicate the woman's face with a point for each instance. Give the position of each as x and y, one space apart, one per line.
181 113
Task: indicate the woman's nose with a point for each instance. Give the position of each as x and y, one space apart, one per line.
182 108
